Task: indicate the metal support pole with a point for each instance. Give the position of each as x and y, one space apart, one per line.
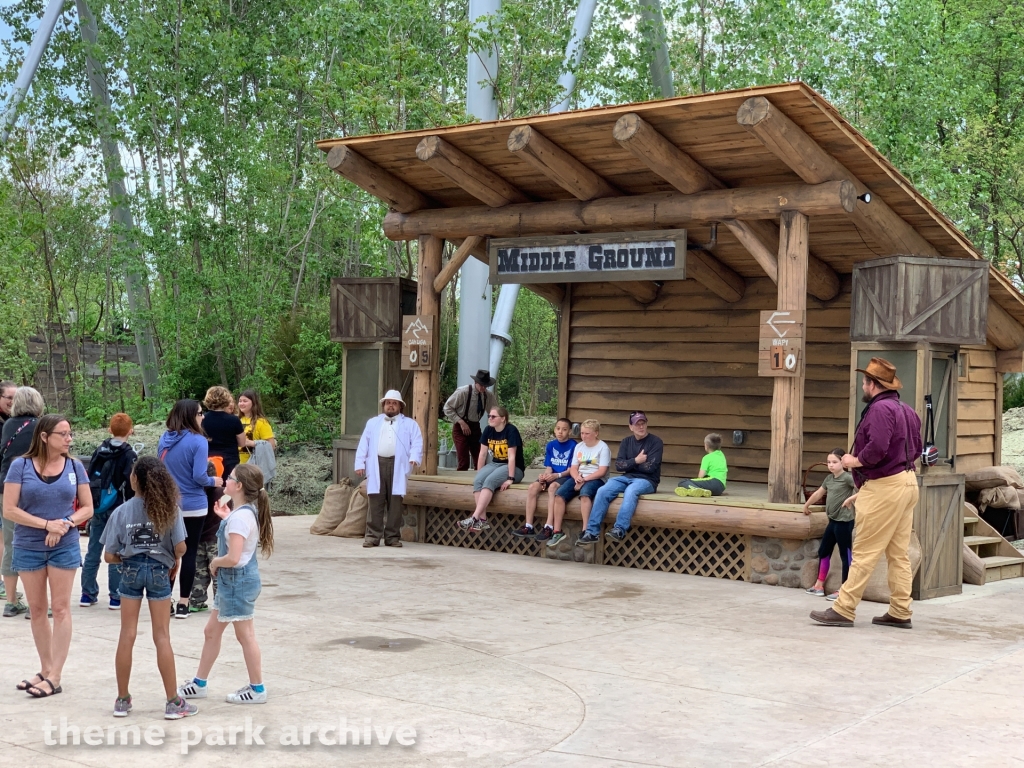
654 29
28 69
120 214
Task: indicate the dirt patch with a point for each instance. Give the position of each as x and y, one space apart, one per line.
378 643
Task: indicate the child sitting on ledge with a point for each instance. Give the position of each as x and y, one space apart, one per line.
710 481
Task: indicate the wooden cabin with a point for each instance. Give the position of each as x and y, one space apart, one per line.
778 200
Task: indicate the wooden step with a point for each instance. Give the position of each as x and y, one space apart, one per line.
1001 567
977 541
970 519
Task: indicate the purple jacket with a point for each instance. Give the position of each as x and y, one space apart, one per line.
888 438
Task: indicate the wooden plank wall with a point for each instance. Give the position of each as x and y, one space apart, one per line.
979 416
690 361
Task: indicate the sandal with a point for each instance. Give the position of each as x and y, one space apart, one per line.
54 690
24 685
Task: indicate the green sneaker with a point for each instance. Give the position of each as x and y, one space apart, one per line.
14 609
693 492
193 608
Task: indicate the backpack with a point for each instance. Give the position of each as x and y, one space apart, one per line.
108 477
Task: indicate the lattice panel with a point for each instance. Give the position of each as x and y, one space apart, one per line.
442 528
698 553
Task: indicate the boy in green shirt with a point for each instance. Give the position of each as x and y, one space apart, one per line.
710 481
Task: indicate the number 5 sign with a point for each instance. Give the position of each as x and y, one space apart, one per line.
781 343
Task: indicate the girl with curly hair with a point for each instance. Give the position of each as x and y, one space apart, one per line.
146 535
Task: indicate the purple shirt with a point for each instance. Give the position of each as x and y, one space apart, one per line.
888 438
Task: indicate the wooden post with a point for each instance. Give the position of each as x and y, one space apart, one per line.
787 446
565 321
426 384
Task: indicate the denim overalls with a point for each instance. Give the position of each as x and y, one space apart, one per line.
237 588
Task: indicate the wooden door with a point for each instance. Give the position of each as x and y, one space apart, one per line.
938 520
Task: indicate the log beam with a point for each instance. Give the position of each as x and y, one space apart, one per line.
1003 331
558 165
463 252
479 181
661 210
688 176
426 384
787 441
644 291
788 141
717 277
371 178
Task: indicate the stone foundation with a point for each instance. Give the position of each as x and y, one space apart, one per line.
784 562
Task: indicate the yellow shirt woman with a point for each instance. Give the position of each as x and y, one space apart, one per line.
262 431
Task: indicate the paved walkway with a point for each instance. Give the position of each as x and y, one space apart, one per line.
500 660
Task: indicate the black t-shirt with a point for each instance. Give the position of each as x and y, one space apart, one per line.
223 430
499 442
16 437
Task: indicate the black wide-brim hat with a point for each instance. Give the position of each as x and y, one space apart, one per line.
483 378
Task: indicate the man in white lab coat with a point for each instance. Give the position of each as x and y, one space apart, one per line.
391 446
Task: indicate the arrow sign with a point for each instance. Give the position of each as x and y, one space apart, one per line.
776 320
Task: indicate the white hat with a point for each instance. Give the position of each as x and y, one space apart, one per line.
393 394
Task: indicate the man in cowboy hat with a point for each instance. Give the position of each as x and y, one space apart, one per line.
390 447
888 441
464 409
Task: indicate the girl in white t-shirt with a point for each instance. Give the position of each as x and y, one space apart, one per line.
591 460
243 527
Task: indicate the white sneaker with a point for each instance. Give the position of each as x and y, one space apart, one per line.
246 696
189 690
467 523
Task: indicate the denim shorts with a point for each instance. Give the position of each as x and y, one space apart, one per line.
28 560
237 590
143 574
590 488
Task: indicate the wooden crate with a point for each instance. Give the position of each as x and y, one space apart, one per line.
938 520
915 298
370 309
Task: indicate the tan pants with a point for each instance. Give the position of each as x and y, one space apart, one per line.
885 519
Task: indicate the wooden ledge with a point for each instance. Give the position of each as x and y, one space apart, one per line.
665 510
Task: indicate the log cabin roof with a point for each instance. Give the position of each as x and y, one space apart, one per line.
704 126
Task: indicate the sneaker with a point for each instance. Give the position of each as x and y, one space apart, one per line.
524 532
181 611
115 604
699 493
832 598
478 526
467 523
198 607
586 540
13 609
87 600
545 533
191 690
122 706
815 592
556 539
179 708
247 696
615 534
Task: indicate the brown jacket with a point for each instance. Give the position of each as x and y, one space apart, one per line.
461 406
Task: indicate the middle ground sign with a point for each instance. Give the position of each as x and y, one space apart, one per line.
659 255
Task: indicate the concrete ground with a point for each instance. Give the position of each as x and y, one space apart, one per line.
500 660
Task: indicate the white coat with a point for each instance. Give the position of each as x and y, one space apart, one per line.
408 448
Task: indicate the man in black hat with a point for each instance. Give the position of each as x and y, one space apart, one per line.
464 409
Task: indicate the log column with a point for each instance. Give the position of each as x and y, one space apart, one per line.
787 448
426 384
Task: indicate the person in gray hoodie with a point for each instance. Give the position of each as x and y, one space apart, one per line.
183 448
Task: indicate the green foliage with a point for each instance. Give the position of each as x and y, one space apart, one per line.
531 450
1013 391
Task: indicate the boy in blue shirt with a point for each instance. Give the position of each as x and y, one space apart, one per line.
557 458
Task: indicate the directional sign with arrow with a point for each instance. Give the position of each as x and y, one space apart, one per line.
781 343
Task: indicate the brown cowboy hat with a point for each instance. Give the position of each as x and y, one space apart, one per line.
882 371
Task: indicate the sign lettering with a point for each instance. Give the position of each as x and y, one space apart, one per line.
781 343
589 258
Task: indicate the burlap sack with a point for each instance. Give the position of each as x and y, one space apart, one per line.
354 524
999 498
337 500
992 477
877 590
